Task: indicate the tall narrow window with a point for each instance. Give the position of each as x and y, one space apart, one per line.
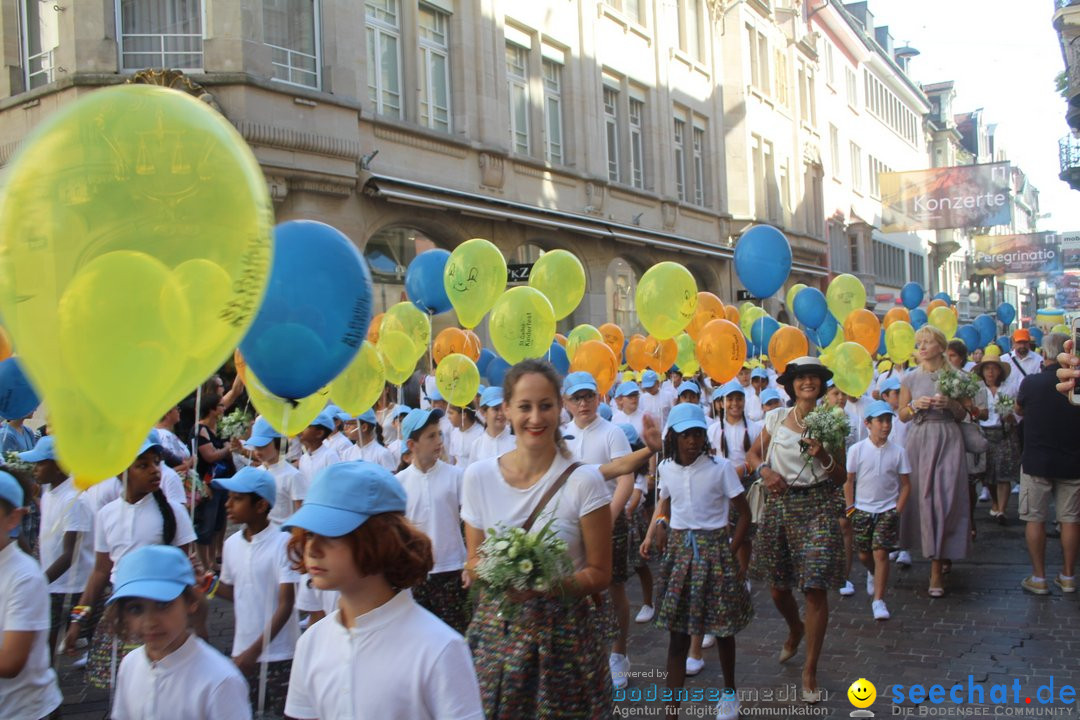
772 195
755 68
852 87
680 159
161 34
637 143
553 110
290 30
834 150
434 68
699 166
41 36
611 132
782 79
517 79
856 168
830 65
763 61
691 28
384 55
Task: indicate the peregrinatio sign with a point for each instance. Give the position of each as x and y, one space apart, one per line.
1035 255
964 196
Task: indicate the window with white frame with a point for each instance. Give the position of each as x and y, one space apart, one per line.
630 8
611 131
784 211
637 142
834 150
517 81
40 38
160 34
291 31
434 44
758 51
680 158
852 87
699 165
690 28
856 168
782 95
808 93
830 65
383 24
876 168
766 201
553 116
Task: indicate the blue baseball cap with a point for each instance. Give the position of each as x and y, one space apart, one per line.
686 416
576 382
631 434
261 434
688 386
417 419
491 397
400 410
769 395
604 411
336 412
45 449
878 408
155 572
829 383
732 386
10 490
759 373
649 378
368 416
152 441
627 388
435 395
891 383
674 369
324 419
251 480
343 496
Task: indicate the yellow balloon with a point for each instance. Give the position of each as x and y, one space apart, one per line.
558 274
687 356
409 319
748 318
458 379
115 210
789 299
474 278
1060 328
992 351
666 298
358 387
288 417
944 320
579 335
900 340
845 294
853 368
399 355
521 325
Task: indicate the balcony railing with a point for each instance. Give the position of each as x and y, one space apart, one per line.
1069 159
294 67
39 69
143 50
1062 4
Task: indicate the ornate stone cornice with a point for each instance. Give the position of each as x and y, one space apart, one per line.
258 133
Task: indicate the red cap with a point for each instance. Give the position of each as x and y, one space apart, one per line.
1021 334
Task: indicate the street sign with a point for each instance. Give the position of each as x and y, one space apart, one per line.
741 295
518 273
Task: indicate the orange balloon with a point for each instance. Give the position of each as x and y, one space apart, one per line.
596 358
721 349
897 313
661 354
709 307
374 328
862 327
561 339
472 346
732 314
238 361
935 304
635 354
956 312
613 338
5 345
786 344
448 342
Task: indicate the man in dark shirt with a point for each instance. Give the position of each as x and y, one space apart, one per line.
1050 464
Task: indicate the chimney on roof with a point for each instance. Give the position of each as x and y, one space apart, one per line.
861 12
884 39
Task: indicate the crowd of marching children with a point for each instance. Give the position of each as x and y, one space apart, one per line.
371 528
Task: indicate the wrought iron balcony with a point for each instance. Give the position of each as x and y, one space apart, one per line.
1069 159
1062 4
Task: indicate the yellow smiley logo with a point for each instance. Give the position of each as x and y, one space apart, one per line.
862 693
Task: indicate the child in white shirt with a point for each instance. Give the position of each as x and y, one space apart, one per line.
369 446
265 444
497 438
317 454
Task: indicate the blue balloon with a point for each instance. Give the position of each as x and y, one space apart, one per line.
496 371
763 260
558 358
17 396
810 307
1036 336
827 331
987 328
944 296
316 311
486 356
970 335
1006 313
911 295
424 281
918 318
762 330
811 336
1005 343
881 348
752 350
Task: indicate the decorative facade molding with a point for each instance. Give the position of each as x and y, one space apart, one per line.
418 141
177 80
594 197
322 187
289 139
491 170
278 187
669 213
542 174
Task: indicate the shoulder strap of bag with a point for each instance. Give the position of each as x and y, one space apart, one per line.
548 494
1012 359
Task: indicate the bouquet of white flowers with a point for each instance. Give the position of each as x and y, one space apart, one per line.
1004 405
512 559
235 424
13 461
957 385
829 426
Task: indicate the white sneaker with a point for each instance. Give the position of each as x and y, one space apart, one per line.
81 662
870 584
620 670
893 555
1016 490
645 614
904 558
707 641
880 611
848 589
984 496
728 709
693 667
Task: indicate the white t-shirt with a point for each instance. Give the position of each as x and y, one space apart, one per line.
310 465
655 405
736 434
311 599
172 485
489 501
635 418
877 473
898 436
285 479
434 506
752 409
462 441
373 452
255 569
700 492
339 443
397 661
598 443
101 494
386 419
1032 364
24 606
194 682
121 527
487 446
64 510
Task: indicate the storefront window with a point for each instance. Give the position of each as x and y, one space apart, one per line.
388 254
619 287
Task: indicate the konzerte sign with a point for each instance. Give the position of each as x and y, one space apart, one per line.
964 196
1018 256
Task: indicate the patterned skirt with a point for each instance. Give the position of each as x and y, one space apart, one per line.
639 526
620 539
1003 457
444 596
545 662
277 687
799 545
100 669
699 591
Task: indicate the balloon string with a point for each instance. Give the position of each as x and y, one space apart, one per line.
194 454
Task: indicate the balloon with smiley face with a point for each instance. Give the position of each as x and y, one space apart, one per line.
666 299
474 278
862 693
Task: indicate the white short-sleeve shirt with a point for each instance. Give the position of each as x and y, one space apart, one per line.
487 446
339 443
285 477
634 419
24 606
597 443
121 527
396 661
64 509
462 441
489 501
256 568
736 434
311 599
172 485
194 682
877 473
373 452
310 465
433 504
700 492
